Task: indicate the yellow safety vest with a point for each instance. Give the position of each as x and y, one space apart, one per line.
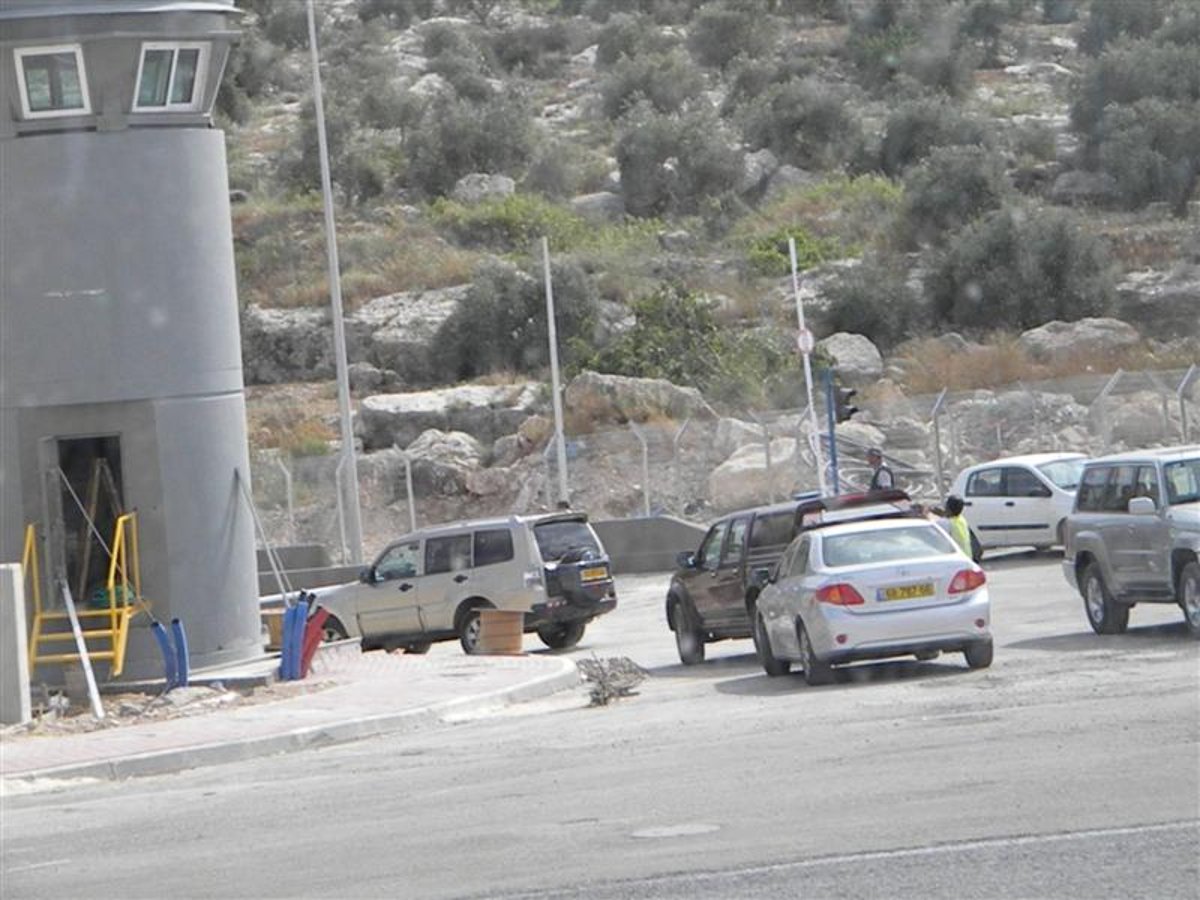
961 532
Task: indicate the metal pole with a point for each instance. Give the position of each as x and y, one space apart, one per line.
645 468
833 456
341 512
1181 393
937 441
354 517
675 451
560 441
808 382
412 500
291 497
1102 399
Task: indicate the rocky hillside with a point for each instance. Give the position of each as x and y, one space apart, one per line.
956 177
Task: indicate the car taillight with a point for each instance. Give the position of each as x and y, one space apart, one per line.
839 595
967 580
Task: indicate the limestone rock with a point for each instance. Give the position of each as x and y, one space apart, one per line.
621 399
442 461
733 434
858 360
397 332
756 169
483 411
1056 340
602 207
743 479
280 345
479 186
1165 305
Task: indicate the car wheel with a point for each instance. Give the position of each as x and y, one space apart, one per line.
469 631
688 639
762 648
979 654
1105 615
1189 597
815 672
976 548
332 630
418 648
561 635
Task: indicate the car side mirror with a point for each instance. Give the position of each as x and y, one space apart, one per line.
1142 506
685 560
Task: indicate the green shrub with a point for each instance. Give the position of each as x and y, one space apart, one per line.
875 300
770 255
1108 20
666 81
456 137
727 29
514 222
537 51
1019 268
630 35
805 123
398 13
917 128
676 335
1136 71
674 163
1152 151
949 189
501 324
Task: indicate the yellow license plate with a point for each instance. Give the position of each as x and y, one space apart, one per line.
599 573
907 591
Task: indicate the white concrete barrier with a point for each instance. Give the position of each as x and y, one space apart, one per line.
15 705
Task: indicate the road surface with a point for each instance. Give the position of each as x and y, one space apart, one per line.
1071 768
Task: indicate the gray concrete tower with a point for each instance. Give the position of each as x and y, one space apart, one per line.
118 307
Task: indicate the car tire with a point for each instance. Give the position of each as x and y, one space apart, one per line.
689 640
561 635
333 630
1189 597
469 630
816 672
976 548
1104 614
418 648
772 665
979 654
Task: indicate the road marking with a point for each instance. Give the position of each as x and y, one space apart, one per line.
45 864
668 831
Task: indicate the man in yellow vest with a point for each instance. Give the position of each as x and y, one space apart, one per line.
955 525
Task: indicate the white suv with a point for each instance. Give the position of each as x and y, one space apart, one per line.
1019 501
430 585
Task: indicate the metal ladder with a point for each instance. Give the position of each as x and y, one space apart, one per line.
107 627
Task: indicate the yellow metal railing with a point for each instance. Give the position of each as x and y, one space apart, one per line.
124 573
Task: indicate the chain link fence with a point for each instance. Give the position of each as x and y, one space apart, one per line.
698 467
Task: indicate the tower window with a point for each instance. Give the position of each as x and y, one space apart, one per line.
171 77
53 81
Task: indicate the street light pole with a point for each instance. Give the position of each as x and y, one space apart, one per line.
349 485
804 341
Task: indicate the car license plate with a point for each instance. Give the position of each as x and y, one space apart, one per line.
597 573
907 591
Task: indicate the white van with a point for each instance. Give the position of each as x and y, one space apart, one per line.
430 585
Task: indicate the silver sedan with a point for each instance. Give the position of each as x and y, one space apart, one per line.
871 590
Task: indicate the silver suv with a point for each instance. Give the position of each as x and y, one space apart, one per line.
430 585
1134 536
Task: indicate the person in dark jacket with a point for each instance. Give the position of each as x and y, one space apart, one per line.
882 478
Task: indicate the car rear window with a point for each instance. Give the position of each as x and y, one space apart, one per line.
561 538
885 545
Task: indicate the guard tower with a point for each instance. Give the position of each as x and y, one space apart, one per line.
119 346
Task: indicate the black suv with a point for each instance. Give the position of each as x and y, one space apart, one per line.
712 595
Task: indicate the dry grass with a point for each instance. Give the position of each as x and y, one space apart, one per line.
292 418
1001 361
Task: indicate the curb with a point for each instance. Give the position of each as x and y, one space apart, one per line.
160 762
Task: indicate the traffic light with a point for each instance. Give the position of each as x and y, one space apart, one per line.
843 409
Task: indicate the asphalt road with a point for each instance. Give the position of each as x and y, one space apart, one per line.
1071 768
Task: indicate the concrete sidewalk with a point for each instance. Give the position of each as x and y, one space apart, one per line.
371 694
